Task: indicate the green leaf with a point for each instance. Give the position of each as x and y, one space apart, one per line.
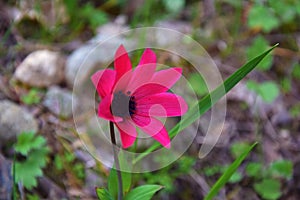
23 144
268 189
295 110
28 170
260 44
198 84
236 177
209 100
262 17
32 197
144 192
93 16
286 84
238 148
268 90
296 71
32 97
282 168
103 194
174 6
284 9
26 174
254 169
27 141
227 174
125 169
33 147
113 182
212 170
58 162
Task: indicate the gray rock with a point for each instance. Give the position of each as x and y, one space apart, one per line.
41 69
59 101
81 62
14 120
6 180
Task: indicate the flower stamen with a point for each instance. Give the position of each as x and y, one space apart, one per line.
123 105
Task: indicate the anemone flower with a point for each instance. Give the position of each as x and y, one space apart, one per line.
135 98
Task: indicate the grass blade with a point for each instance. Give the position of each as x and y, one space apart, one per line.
227 174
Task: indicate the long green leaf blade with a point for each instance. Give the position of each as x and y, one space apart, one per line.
227 174
144 192
103 194
209 100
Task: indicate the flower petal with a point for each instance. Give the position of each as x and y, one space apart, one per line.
157 131
141 120
148 57
122 62
104 109
162 105
144 71
127 133
103 81
148 89
167 77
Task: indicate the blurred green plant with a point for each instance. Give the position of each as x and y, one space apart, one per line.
296 71
271 14
144 192
167 175
268 90
260 44
226 176
267 180
197 84
32 97
237 148
268 189
295 110
262 17
86 15
220 169
68 161
34 151
286 84
173 6
164 9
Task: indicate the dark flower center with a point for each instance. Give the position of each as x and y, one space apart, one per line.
123 105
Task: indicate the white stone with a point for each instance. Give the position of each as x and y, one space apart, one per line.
41 68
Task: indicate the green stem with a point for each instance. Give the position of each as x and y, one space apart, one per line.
117 164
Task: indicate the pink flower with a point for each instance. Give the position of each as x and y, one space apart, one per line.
133 98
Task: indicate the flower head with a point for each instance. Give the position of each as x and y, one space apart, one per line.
134 98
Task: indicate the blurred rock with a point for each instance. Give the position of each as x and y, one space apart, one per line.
83 60
50 189
98 52
41 69
6 181
112 28
180 26
282 119
59 101
14 120
240 92
171 39
92 181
